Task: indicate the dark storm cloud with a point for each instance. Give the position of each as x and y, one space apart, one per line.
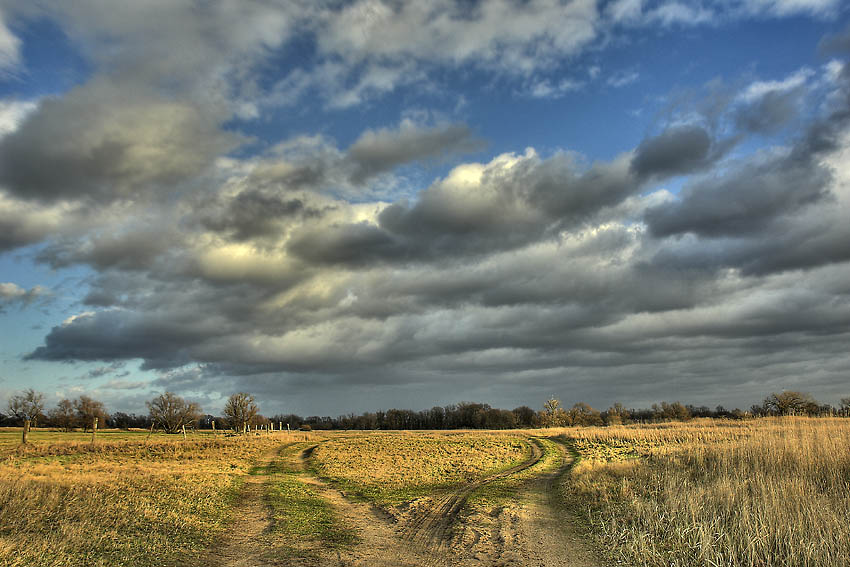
743 201
677 150
817 240
378 151
119 335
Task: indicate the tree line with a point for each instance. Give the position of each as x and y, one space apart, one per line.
171 413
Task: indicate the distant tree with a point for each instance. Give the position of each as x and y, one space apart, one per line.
123 420
171 412
616 415
582 414
27 406
675 411
845 405
553 415
239 410
63 416
790 402
525 416
87 409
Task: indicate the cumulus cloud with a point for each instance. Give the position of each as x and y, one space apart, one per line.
679 149
100 141
312 265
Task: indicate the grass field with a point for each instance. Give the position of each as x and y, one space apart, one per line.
121 501
390 468
771 492
768 492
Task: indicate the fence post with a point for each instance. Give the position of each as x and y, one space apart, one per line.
26 431
183 427
93 429
213 424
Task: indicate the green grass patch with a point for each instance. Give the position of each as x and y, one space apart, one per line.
303 523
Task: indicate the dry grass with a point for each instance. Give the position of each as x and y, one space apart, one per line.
771 492
119 502
390 468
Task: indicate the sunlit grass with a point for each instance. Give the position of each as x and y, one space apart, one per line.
772 492
390 468
122 501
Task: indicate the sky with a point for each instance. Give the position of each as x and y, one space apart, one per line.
344 206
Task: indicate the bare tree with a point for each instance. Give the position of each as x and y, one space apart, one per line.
63 415
87 409
790 402
27 406
582 414
553 415
171 412
239 410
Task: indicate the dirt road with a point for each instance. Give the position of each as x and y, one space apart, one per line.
533 530
242 544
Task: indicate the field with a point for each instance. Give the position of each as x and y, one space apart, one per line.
768 492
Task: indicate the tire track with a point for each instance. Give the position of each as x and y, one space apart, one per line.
433 528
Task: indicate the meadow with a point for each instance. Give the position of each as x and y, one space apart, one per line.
752 493
391 468
768 492
124 500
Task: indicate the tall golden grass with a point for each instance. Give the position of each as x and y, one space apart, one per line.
129 502
769 492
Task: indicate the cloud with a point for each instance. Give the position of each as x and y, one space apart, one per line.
13 294
10 47
25 222
759 89
835 43
623 78
678 149
301 266
103 142
745 200
545 88
378 151
771 111
498 34
12 113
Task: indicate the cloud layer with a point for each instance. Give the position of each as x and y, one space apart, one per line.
687 262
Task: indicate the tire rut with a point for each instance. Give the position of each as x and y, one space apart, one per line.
433 528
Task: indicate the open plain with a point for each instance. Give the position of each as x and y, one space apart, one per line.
749 493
